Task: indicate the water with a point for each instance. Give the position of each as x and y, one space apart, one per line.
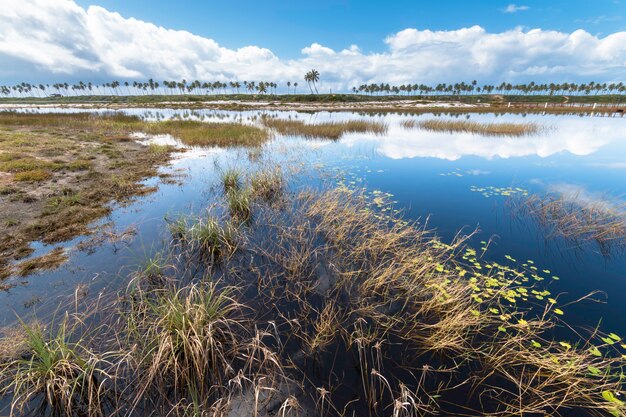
432 176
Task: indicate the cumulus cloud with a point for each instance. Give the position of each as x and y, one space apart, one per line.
512 8
59 40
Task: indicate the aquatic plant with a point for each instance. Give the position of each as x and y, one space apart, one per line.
238 200
231 179
212 238
577 219
267 184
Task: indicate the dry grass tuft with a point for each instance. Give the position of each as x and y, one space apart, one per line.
465 126
578 220
326 130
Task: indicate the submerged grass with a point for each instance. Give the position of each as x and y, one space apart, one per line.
418 327
268 185
324 130
578 219
466 126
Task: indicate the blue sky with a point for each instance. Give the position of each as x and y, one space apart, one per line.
287 26
348 42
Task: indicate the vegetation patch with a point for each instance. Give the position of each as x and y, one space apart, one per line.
47 262
466 126
413 324
325 130
578 219
62 171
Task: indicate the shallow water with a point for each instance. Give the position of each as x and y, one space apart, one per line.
451 181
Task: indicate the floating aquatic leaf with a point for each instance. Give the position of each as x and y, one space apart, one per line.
535 344
594 371
558 311
610 397
607 340
595 351
502 329
565 345
615 337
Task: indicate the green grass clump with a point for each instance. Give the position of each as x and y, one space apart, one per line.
155 149
212 238
36 175
61 375
79 165
187 337
28 164
179 227
238 200
231 179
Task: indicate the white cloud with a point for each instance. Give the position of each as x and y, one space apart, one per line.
59 40
512 8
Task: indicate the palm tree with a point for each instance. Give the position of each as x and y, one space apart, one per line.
295 86
312 77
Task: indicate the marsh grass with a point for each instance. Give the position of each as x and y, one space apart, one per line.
194 133
363 313
239 201
212 238
36 175
231 179
578 219
188 337
324 130
385 264
60 373
466 126
268 184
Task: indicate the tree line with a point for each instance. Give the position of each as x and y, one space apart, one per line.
184 87
532 88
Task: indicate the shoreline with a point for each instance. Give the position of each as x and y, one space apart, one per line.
410 106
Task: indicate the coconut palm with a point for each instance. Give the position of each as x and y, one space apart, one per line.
312 77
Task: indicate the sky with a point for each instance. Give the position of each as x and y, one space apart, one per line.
349 42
